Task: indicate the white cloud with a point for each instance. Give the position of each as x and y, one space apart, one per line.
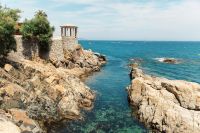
112 19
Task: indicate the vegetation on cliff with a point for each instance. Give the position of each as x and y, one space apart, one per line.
8 19
38 29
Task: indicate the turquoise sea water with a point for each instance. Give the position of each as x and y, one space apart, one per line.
111 112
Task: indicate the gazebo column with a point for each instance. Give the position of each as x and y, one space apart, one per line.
72 32
75 32
65 31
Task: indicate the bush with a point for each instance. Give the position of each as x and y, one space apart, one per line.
38 29
8 18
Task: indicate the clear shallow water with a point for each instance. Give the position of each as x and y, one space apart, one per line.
111 112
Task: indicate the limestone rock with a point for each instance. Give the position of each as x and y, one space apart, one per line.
7 126
68 108
26 124
8 67
35 81
165 105
50 79
85 59
47 91
12 95
34 92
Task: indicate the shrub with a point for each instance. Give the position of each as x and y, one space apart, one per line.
38 29
8 18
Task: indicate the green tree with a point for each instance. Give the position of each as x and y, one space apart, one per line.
8 19
38 29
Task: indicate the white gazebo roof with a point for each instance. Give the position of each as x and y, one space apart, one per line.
69 25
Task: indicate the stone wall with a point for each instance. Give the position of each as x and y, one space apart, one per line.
56 52
20 48
30 50
69 42
25 49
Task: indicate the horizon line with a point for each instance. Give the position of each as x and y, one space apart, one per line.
140 40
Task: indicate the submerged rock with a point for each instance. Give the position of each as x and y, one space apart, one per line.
136 60
165 105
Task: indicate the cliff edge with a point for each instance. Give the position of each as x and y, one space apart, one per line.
35 93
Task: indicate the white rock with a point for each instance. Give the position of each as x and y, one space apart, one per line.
8 127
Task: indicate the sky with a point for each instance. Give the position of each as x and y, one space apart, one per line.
159 20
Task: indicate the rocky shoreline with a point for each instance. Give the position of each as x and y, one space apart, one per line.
165 105
33 94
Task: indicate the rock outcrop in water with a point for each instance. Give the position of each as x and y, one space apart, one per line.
165 105
34 93
169 60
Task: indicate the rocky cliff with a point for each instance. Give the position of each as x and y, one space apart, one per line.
63 53
79 60
165 105
35 93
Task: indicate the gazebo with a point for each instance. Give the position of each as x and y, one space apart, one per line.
69 30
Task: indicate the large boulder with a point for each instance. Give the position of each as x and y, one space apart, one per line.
165 105
86 60
68 108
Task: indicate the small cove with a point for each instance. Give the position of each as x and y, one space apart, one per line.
111 112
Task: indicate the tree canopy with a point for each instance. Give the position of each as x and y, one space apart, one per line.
38 29
8 19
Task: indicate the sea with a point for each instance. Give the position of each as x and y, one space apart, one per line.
112 112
